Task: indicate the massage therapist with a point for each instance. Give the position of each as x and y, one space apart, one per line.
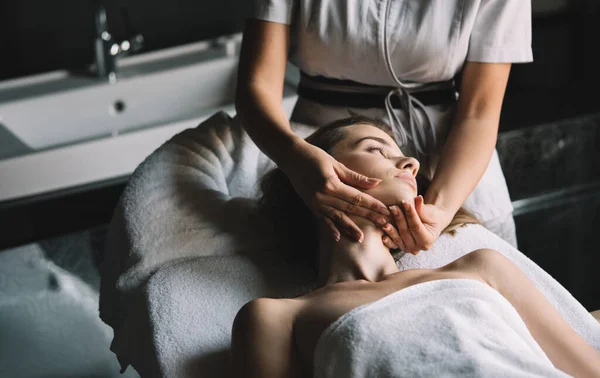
402 62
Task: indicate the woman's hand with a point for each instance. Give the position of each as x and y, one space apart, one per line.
327 187
415 228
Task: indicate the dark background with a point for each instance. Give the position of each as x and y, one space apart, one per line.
39 35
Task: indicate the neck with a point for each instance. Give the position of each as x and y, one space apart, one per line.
349 260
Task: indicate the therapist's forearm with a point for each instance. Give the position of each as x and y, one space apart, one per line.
259 93
265 121
463 161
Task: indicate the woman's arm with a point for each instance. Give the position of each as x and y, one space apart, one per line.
259 92
472 138
567 350
462 162
262 343
326 186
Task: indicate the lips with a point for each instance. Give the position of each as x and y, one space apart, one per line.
409 178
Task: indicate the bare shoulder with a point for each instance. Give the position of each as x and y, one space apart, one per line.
261 340
267 310
567 350
486 264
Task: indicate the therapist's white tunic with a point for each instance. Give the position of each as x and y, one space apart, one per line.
407 44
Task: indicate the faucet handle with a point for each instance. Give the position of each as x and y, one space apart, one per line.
137 43
134 41
128 46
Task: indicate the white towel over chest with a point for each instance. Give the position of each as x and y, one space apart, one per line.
443 328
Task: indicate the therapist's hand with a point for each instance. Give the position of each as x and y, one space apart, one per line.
329 189
415 228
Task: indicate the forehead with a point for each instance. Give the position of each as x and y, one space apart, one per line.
357 132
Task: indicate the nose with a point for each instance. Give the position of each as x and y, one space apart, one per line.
408 163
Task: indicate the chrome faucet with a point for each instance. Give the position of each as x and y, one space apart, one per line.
106 50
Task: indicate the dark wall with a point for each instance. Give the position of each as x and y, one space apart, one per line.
563 79
40 35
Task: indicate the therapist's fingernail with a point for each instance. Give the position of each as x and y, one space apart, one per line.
359 237
406 205
381 221
395 210
384 210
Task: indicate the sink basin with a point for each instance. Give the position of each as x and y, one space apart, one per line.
64 131
136 102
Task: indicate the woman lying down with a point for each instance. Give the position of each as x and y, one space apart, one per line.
477 316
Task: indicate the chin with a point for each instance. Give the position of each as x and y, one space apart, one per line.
397 199
392 194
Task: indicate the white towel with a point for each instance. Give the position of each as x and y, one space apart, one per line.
443 328
188 199
449 248
186 249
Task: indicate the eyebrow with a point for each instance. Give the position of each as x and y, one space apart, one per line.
377 139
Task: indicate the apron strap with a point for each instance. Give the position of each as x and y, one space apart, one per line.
418 136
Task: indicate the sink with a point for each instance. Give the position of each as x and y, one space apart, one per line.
66 131
102 109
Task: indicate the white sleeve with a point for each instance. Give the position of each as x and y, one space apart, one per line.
279 11
502 32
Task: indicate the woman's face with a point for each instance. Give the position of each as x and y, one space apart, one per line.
369 151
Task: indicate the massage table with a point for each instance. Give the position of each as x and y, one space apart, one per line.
187 249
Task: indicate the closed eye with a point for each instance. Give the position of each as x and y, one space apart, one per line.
376 148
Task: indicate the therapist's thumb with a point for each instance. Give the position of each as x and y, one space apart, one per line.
349 177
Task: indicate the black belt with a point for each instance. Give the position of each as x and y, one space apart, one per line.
369 100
